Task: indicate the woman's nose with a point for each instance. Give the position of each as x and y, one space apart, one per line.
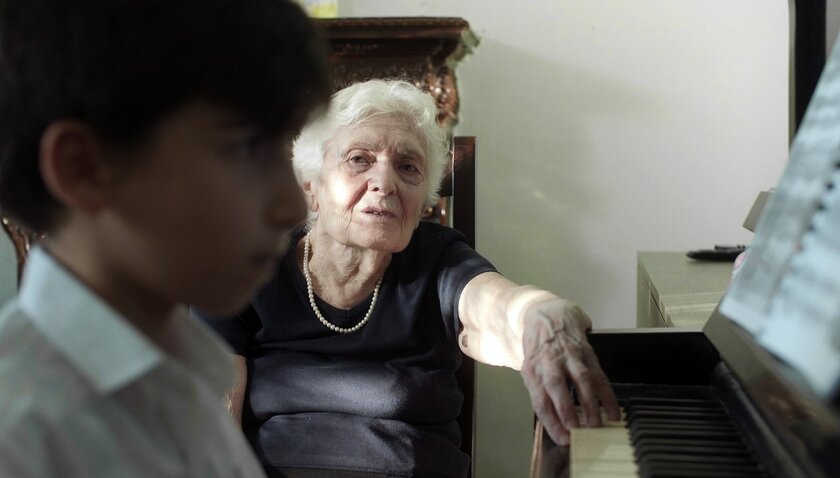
382 179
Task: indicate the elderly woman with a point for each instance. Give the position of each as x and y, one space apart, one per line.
348 356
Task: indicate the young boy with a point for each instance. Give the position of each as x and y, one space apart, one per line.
149 140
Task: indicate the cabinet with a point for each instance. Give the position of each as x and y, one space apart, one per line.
673 290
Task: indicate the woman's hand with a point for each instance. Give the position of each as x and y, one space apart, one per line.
557 354
544 336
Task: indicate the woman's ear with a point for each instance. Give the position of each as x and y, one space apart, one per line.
72 165
311 198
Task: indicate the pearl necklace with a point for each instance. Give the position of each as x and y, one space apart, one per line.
311 294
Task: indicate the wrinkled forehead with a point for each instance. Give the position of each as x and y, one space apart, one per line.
382 131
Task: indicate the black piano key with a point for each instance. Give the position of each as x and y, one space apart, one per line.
677 402
711 435
684 424
643 449
671 400
704 447
719 468
632 407
662 423
669 464
686 438
670 473
679 457
655 442
679 415
638 408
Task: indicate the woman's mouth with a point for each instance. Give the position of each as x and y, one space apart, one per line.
383 213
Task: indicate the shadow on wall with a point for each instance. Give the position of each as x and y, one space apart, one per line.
538 199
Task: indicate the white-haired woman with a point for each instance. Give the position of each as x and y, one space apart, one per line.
348 357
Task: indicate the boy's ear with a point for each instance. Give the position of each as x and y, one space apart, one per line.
309 193
72 165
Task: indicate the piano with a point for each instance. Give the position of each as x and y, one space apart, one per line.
712 401
715 405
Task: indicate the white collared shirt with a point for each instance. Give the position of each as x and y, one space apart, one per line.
84 394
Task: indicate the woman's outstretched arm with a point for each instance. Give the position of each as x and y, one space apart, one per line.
543 336
235 396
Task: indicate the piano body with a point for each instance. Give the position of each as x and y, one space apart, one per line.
787 430
711 402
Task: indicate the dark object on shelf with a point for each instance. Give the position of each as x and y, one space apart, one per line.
719 253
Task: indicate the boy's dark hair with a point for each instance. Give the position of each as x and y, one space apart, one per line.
122 66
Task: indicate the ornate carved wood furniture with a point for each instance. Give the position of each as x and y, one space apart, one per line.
422 50
22 239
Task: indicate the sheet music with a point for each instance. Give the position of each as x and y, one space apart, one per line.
787 293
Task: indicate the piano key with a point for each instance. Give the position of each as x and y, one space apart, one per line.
678 457
603 452
665 424
675 415
662 472
676 437
663 438
670 473
633 408
713 435
679 402
693 405
690 450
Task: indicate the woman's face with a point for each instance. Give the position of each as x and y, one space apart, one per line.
372 186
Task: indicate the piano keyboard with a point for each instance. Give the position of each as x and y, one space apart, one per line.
663 437
603 452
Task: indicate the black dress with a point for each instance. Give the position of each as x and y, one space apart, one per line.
381 400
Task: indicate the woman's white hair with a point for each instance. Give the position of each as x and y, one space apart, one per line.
358 102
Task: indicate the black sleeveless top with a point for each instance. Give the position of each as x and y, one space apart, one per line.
383 399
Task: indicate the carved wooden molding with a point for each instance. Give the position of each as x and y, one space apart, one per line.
423 50
22 240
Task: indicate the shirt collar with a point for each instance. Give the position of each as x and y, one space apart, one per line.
107 349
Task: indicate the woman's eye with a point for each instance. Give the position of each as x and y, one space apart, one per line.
411 167
357 160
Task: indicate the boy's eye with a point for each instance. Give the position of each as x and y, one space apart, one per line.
250 146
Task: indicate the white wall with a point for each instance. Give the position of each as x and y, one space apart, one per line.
606 127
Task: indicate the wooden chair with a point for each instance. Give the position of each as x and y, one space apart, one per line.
457 209
463 219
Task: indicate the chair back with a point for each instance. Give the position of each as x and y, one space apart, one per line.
456 209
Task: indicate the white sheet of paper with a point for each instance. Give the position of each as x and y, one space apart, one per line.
787 293
803 327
